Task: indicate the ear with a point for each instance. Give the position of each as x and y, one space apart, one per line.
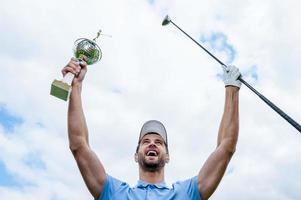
136 157
167 158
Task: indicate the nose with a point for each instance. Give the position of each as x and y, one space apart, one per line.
152 144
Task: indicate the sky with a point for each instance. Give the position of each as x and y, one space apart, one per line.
150 72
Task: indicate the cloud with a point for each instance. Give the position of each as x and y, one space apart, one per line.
7 179
9 121
219 42
149 72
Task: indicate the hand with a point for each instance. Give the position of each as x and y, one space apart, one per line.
231 75
76 67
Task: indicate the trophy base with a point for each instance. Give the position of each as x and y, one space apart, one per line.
60 90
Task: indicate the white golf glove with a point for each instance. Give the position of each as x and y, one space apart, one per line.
231 75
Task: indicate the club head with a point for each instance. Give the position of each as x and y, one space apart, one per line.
166 20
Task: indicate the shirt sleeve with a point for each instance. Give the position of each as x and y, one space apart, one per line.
110 187
191 188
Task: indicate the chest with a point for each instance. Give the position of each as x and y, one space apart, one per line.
150 193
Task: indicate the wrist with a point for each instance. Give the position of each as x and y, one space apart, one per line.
76 88
76 84
232 88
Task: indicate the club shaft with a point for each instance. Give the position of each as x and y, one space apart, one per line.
267 101
273 106
215 58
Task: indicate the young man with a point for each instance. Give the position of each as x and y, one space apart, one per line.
152 151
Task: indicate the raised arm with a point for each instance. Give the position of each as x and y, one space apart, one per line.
89 165
214 168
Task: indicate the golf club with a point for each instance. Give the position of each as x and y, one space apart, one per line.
167 21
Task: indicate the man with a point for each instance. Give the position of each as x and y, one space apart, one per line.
152 151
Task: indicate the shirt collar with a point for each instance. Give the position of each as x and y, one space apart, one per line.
142 184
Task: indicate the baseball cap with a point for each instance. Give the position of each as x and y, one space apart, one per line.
153 126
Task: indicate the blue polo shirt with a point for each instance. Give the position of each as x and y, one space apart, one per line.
115 189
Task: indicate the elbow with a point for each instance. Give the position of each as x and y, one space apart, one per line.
229 146
77 146
231 151
229 139
73 148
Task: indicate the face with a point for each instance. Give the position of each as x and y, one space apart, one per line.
152 154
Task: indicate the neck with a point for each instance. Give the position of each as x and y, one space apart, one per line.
151 177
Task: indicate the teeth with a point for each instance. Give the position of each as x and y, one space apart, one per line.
152 153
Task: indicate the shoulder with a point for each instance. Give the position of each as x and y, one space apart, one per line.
111 186
187 183
188 186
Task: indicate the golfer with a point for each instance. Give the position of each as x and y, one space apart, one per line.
152 151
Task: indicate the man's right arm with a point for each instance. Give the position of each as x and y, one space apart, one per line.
88 163
215 166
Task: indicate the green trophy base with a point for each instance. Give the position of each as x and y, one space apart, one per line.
84 50
60 90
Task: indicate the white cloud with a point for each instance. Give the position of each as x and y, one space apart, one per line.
150 72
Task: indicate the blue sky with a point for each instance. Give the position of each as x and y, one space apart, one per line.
149 72
7 179
218 42
8 120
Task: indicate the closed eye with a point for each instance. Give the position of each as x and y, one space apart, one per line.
159 142
146 141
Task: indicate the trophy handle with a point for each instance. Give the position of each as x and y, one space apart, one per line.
68 78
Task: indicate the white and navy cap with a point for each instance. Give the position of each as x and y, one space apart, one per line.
153 126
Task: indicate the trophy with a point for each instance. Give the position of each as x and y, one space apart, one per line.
84 50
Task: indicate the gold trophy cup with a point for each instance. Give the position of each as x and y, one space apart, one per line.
84 49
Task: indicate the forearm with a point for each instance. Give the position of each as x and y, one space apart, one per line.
228 130
77 127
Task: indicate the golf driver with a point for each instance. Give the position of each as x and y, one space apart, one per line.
167 21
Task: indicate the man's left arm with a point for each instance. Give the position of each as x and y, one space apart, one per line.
215 166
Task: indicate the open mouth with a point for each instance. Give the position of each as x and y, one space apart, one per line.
151 153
